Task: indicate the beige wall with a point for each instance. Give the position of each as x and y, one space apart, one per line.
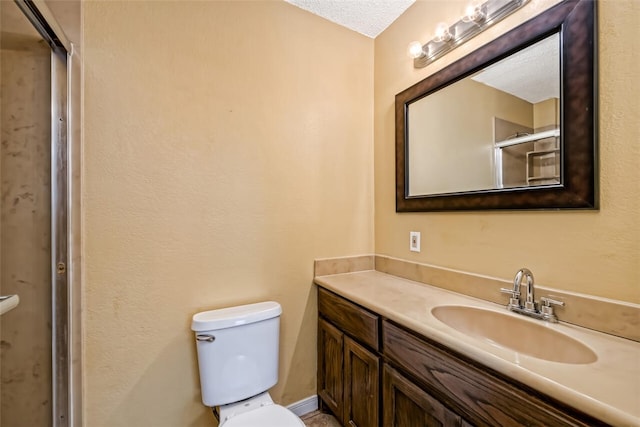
593 252
226 145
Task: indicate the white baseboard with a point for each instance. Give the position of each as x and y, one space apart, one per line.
304 406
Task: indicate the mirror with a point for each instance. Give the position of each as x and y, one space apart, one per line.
510 126
499 127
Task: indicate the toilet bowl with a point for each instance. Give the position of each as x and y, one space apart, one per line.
258 411
238 351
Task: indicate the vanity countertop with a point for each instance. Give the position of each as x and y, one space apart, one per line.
608 389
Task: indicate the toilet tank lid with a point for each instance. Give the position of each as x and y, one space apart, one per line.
235 316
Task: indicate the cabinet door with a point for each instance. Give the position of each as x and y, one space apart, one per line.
330 357
361 386
406 405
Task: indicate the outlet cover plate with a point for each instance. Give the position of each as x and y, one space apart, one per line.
414 241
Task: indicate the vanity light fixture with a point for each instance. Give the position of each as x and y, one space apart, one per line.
477 17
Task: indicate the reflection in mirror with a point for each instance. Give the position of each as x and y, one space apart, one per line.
497 128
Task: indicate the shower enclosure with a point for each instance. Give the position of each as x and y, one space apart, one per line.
38 335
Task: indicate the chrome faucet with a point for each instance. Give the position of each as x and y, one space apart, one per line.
529 308
530 303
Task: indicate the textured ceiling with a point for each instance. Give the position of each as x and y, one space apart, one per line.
532 74
368 17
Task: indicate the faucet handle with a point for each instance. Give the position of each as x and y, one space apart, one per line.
548 302
514 301
514 293
547 310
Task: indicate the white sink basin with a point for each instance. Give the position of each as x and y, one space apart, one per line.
532 338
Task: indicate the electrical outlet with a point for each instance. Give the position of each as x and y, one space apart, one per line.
414 241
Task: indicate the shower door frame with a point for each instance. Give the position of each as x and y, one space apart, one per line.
66 380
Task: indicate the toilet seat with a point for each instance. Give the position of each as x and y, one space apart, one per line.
265 416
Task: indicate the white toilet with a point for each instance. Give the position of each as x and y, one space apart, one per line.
238 362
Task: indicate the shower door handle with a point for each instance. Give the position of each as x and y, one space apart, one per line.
8 303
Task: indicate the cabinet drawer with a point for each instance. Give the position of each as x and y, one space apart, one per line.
348 317
478 395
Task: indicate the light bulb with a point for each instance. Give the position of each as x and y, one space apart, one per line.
468 13
473 12
414 50
442 33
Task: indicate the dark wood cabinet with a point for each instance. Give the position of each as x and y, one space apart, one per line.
407 405
472 390
348 372
373 372
350 318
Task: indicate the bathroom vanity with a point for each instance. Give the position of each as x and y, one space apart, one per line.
385 360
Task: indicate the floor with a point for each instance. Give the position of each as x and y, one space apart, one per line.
318 419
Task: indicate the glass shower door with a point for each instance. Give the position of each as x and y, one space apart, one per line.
25 222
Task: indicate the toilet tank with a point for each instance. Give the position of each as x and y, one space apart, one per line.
237 351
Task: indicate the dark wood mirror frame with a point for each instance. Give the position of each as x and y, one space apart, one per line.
574 20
